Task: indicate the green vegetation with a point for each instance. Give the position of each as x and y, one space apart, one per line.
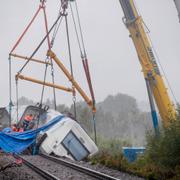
119 116
161 160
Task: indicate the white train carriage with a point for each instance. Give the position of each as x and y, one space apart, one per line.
66 138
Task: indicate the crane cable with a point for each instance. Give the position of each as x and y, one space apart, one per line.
160 66
76 31
163 71
85 60
28 60
50 45
40 44
158 59
52 67
43 87
83 53
80 27
71 65
10 91
82 50
38 47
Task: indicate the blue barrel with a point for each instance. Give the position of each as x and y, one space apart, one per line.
131 153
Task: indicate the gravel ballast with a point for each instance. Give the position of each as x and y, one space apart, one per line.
23 172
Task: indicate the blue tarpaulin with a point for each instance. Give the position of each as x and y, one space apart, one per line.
17 142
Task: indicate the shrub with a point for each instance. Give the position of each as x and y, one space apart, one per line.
161 160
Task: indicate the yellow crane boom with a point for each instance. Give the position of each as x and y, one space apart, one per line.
177 3
152 75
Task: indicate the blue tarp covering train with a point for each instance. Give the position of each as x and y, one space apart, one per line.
17 142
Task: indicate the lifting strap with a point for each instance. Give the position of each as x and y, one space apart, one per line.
83 53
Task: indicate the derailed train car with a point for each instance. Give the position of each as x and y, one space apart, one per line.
65 138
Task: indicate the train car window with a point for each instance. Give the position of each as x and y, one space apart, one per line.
74 146
37 114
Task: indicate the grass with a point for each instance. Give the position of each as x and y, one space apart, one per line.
161 160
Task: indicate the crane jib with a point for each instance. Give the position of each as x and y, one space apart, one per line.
145 52
153 60
128 11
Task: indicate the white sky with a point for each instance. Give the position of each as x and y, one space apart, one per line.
113 60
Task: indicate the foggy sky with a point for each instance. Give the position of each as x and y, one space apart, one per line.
113 60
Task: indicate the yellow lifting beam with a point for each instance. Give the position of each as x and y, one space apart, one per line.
18 76
33 59
52 55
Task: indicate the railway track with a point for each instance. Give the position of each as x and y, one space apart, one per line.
45 174
79 169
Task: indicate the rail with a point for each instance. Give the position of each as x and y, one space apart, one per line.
79 168
38 170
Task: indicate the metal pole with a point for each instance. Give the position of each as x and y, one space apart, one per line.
153 109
